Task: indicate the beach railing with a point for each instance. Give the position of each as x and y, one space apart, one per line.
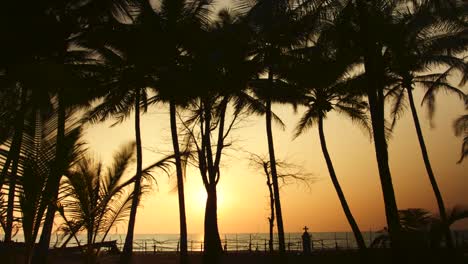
255 242
252 243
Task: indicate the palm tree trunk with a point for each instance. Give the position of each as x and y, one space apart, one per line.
381 152
212 241
349 216
128 246
16 151
274 178
430 173
373 65
90 249
180 184
271 219
53 183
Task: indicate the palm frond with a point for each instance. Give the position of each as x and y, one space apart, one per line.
357 114
398 105
309 119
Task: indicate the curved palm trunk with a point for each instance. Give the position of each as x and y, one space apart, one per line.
430 173
180 184
349 216
274 178
53 184
381 152
373 64
128 246
15 156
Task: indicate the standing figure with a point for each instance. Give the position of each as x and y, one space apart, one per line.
306 245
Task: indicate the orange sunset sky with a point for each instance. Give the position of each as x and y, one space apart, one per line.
243 194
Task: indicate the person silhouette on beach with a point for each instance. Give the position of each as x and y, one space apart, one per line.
306 245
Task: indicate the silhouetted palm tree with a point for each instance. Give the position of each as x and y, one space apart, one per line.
427 40
97 198
62 70
40 59
220 71
277 27
18 63
9 96
362 28
421 228
176 25
328 88
126 92
37 165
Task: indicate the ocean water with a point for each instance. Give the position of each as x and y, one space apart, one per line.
235 242
231 242
246 241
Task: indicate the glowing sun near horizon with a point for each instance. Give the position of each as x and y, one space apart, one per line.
200 199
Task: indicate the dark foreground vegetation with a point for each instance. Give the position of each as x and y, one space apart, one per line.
373 256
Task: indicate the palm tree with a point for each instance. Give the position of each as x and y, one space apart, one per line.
96 199
277 27
220 70
66 71
177 25
12 127
8 112
76 75
14 156
421 228
328 91
420 48
37 165
361 28
126 92
16 65
30 71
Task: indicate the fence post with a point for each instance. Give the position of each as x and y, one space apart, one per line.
237 244
347 244
336 242
225 243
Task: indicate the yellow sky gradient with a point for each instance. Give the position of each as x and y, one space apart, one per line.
243 194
